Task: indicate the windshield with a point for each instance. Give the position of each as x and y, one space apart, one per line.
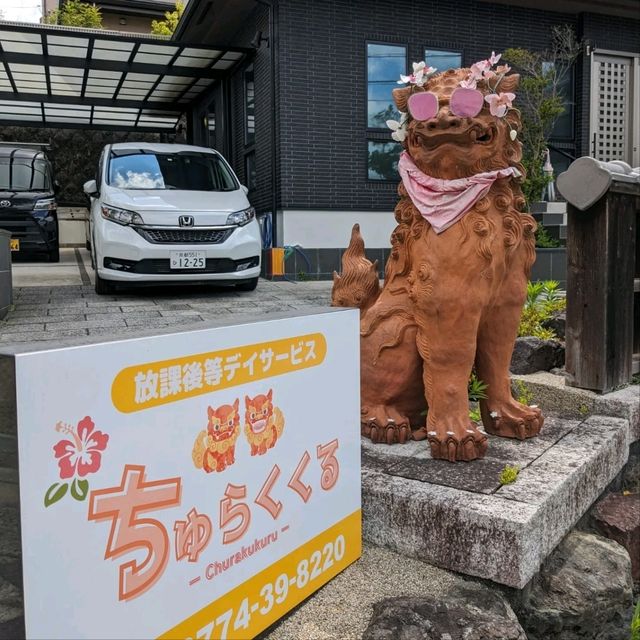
186 171
20 174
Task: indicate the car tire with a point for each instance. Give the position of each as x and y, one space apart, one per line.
248 285
54 255
103 287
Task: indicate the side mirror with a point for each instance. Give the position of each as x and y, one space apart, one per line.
245 189
56 187
91 188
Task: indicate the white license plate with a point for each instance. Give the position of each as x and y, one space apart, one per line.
188 260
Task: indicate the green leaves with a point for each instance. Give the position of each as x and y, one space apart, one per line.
79 489
58 490
54 493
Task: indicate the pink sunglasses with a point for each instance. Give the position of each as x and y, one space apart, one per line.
466 103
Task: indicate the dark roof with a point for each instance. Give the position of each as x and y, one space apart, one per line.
65 76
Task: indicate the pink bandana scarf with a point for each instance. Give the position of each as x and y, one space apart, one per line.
444 202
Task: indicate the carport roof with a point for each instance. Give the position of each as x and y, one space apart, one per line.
90 78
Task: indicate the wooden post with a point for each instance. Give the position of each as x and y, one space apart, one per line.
601 269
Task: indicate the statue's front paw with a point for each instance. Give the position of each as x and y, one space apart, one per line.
385 425
511 419
456 441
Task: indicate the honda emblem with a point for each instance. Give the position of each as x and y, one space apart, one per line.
186 221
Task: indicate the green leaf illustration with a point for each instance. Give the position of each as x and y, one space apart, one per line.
79 489
54 493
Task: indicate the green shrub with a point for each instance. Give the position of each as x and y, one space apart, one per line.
524 395
543 300
635 622
75 13
544 240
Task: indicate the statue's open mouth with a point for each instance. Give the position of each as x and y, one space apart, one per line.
223 435
259 426
476 134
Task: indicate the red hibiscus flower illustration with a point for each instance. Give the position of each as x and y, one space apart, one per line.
82 454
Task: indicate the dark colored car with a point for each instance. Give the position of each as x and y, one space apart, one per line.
28 207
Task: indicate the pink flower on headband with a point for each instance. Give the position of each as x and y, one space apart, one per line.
477 69
419 76
470 83
500 103
494 59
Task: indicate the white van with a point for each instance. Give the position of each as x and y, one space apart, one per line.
170 213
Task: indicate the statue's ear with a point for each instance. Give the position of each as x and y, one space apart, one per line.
236 404
509 83
374 266
210 412
400 97
336 277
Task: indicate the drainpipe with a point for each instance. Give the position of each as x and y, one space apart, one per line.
273 45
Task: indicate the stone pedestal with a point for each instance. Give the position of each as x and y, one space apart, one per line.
459 516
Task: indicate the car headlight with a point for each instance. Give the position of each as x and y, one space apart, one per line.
240 218
121 216
47 204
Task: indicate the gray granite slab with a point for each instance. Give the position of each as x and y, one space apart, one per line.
459 517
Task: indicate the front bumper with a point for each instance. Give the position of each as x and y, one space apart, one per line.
36 233
124 255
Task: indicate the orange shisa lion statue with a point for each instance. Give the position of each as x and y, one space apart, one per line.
456 279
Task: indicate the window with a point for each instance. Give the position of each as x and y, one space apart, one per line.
249 106
563 128
250 170
211 125
185 171
24 174
382 160
443 60
385 63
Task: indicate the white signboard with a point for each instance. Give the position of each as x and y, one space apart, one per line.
192 485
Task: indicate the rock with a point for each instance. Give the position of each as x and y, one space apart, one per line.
470 612
618 517
583 591
556 323
532 354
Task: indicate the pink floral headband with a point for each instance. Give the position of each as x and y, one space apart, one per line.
466 100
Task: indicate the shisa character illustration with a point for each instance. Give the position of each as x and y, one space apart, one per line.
263 423
214 449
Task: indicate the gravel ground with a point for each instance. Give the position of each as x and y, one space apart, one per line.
341 610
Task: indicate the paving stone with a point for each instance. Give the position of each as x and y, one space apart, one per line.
5 327
78 317
163 322
13 320
96 311
38 336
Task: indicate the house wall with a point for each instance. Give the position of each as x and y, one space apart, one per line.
324 91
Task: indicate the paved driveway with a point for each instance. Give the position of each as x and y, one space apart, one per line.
58 300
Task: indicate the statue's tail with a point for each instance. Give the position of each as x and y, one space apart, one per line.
358 286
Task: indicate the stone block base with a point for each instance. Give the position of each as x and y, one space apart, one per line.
459 516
